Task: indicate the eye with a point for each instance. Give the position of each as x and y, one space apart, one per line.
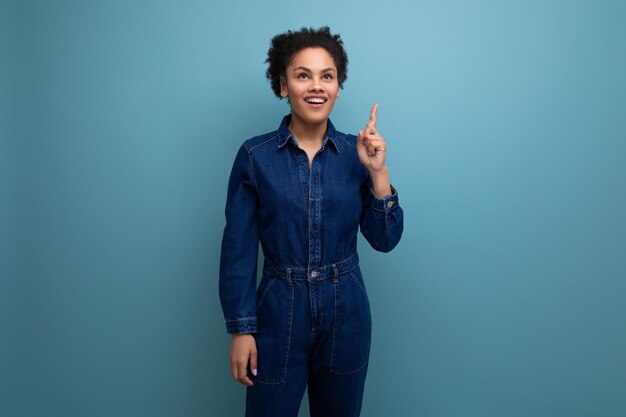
328 76
302 74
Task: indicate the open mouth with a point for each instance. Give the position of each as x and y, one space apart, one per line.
315 101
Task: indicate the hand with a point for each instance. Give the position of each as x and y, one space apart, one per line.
370 146
242 348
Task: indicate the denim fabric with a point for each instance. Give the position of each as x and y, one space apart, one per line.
315 332
310 313
303 216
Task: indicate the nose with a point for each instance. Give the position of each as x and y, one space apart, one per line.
316 86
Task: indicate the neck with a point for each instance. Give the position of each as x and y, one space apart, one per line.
307 132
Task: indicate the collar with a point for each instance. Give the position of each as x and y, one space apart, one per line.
284 134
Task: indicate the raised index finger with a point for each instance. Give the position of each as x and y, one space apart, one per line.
372 121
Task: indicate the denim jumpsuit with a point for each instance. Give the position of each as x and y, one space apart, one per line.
310 313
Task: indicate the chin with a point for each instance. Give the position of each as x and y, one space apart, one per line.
316 117
312 118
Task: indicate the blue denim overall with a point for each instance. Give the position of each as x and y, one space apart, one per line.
310 313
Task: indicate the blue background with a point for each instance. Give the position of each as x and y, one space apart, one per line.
506 128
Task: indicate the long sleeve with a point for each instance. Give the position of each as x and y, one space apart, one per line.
382 219
240 247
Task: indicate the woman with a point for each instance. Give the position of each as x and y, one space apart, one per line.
303 191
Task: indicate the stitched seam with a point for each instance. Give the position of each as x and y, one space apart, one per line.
335 144
318 182
295 153
352 371
269 284
346 140
332 356
281 379
361 287
321 320
308 211
392 208
242 319
332 349
256 184
289 333
263 143
377 209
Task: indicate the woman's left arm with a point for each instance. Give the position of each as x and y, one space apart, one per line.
382 218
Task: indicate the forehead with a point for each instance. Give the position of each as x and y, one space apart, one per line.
313 58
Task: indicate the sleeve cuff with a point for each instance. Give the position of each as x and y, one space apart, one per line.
241 325
385 204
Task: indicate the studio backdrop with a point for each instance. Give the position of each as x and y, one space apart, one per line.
506 135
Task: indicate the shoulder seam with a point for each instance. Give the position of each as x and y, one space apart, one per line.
262 143
345 139
249 152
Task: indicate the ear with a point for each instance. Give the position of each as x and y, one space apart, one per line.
284 92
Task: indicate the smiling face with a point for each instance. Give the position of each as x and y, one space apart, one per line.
311 84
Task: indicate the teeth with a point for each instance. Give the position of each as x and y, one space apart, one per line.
315 100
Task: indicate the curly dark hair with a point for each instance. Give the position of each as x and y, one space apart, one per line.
285 45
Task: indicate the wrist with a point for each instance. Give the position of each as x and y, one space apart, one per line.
241 334
380 182
376 172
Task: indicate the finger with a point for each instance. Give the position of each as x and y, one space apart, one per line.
376 145
375 137
371 150
243 376
253 365
372 121
359 138
233 369
377 142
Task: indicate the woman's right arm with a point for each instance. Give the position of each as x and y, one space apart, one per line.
238 265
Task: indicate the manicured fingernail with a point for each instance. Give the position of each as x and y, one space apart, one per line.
254 372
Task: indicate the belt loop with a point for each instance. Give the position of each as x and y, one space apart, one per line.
335 274
289 280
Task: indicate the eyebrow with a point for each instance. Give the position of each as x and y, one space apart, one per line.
306 69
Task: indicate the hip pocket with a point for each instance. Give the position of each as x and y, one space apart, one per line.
274 319
352 329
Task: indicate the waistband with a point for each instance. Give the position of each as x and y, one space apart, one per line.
319 273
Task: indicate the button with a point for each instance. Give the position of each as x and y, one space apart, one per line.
390 203
314 274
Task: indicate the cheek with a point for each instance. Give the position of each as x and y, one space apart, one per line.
294 91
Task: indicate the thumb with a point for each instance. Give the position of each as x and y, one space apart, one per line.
359 138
